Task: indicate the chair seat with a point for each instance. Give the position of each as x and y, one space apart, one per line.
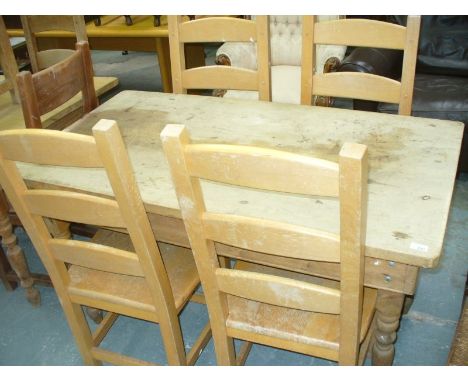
107 289
302 327
285 86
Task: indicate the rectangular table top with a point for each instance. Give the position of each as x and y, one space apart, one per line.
412 164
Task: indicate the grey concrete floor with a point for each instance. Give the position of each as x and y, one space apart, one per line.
40 336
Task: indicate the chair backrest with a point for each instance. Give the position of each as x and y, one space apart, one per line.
8 64
365 33
106 150
273 170
46 90
35 24
220 29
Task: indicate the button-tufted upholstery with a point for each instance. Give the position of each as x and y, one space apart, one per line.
286 47
286 40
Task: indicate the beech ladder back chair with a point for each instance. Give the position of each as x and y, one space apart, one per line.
365 33
48 89
119 273
41 59
220 29
261 304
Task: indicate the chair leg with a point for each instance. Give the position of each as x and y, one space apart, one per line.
173 341
80 329
224 347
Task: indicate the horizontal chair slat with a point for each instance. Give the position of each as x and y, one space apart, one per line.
47 58
280 291
49 147
357 85
255 167
49 23
74 207
272 237
216 29
113 303
96 256
65 86
118 359
220 77
357 32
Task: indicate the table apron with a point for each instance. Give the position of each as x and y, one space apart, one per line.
379 274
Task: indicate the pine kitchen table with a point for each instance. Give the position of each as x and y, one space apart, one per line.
412 168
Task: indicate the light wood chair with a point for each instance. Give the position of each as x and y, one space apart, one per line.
42 59
8 64
220 29
260 304
116 272
365 33
48 89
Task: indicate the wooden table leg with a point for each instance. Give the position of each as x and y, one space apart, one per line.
15 254
164 59
5 268
389 307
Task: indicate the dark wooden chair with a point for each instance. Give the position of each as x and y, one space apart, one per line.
48 89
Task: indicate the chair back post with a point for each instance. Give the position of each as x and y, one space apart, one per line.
353 220
31 43
263 58
177 53
175 138
115 158
80 28
410 54
90 101
308 60
29 102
